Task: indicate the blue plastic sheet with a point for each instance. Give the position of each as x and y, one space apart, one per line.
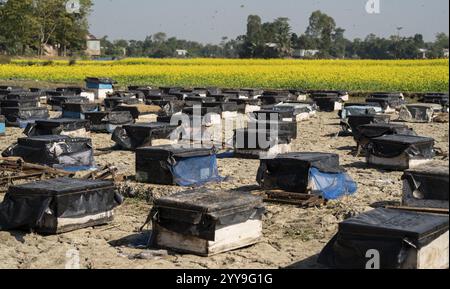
75 114
332 186
78 168
24 123
195 171
2 128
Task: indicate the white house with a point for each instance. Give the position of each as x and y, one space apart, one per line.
181 52
423 52
93 47
446 53
302 53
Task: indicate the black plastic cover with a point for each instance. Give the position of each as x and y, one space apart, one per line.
438 98
58 100
242 103
53 150
138 110
290 172
19 103
109 117
114 101
24 96
390 146
169 152
71 89
14 114
55 126
225 97
79 107
134 136
168 107
203 110
267 99
36 205
327 103
201 213
223 106
100 80
355 121
391 232
156 97
429 182
369 131
244 137
386 101
159 160
289 127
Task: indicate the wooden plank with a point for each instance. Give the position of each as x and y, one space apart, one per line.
420 210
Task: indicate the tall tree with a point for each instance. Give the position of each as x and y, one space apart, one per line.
339 42
283 36
254 42
18 26
320 30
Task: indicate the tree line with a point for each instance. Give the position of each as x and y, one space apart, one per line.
322 38
29 26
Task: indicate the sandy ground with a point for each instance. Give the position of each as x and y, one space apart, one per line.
292 236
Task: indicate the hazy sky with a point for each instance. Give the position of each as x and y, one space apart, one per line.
208 21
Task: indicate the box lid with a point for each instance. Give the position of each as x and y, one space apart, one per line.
57 187
205 201
61 121
169 151
403 139
47 139
396 223
325 162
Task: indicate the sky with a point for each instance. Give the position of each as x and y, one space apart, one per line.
207 21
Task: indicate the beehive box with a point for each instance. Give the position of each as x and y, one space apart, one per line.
400 152
138 135
56 151
61 126
207 223
401 240
59 205
176 165
426 186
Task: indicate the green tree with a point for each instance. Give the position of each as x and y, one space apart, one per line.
253 43
320 31
283 36
340 44
34 24
18 26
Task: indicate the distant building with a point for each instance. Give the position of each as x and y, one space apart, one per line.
272 45
181 53
305 53
93 47
51 50
445 52
423 53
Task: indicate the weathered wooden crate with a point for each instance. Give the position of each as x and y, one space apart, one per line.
207 222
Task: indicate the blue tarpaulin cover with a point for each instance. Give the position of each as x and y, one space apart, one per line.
195 171
332 186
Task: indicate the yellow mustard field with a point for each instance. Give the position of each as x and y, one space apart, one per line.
353 75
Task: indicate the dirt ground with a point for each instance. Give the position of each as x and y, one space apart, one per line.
292 236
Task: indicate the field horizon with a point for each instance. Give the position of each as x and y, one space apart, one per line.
413 76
